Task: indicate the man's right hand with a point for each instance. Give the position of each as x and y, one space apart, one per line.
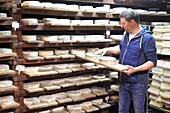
101 52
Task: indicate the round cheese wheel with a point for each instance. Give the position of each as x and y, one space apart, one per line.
3 15
49 38
31 101
58 110
46 53
29 21
47 98
5 33
30 53
73 93
61 95
74 108
107 60
97 102
86 104
5 50
4 67
6 83
32 85
29 37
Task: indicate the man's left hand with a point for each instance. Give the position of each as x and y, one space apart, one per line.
130 70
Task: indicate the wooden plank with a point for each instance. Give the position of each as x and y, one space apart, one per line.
116 67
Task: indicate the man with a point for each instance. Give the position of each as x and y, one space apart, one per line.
138 52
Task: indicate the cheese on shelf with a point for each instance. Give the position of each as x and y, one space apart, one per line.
5 83
107 60
46 53
3 15
29 37
5 33
49 38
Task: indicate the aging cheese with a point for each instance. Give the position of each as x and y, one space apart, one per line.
47 98
29 37
46 53
3 15
5 83
49 38
29 21
5 33
4 67
30 53
107 60
32 101
5 50
58 110
74 108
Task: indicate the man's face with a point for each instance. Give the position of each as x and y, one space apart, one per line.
126 25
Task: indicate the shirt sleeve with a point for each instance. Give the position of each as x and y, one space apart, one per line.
149 48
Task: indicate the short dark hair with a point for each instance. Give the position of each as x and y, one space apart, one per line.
130 14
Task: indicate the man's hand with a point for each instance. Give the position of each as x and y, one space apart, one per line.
101 52
130 70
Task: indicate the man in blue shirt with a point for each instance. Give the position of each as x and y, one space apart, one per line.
138 52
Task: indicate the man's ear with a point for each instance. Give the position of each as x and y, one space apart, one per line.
132 21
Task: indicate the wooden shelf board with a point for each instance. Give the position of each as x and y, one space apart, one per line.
62 13
68 28
58 60
26 45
